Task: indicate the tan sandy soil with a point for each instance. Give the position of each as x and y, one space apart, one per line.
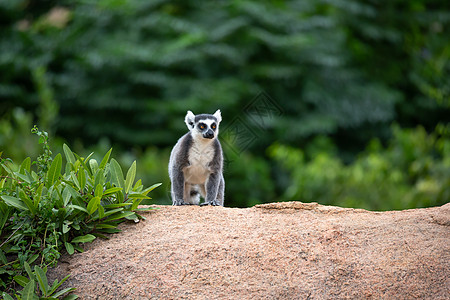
285 250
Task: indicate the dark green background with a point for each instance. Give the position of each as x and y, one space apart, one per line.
340 102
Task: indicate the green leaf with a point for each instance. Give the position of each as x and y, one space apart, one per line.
79 249
101 212
112 211
66 194
69 155
42 280
24 197
15 202
103 226
83 161
82 178
55 170
93 204
115 205
23 177
7 297
57 284
65 228
132 217
62 292
78 207
71 191
119 215
69 248
75 180
138 196
28 270
57 196
32 258
98 190
138 185
110 230
112 190
99 178
28 291
3 259
84 239
147 190
136 204
146 208
21 280
88 158
38 195
25 166
131 174
116 174
93 165
105 159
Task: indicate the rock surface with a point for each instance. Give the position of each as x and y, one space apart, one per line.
288 250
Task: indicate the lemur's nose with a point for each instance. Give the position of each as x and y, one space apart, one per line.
209 134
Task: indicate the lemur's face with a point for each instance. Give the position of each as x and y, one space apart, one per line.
205 126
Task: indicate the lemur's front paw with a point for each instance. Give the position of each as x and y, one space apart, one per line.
179 203
213 203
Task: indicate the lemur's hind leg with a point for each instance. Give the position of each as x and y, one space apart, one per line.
212 189
221 191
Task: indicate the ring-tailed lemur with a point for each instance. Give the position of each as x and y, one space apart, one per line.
196 162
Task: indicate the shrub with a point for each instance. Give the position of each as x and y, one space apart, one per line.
44 212
413 171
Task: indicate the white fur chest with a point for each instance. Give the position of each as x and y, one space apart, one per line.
200 155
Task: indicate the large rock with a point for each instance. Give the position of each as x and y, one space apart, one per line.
289 250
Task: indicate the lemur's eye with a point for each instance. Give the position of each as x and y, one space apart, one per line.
202 126
213 126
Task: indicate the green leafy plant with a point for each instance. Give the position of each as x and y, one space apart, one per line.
36 283
44 211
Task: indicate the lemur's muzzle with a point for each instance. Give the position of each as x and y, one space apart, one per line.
209 134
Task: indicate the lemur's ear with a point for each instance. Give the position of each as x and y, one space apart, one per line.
218 116
189 120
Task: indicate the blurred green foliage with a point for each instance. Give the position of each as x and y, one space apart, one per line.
339 73
413 171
